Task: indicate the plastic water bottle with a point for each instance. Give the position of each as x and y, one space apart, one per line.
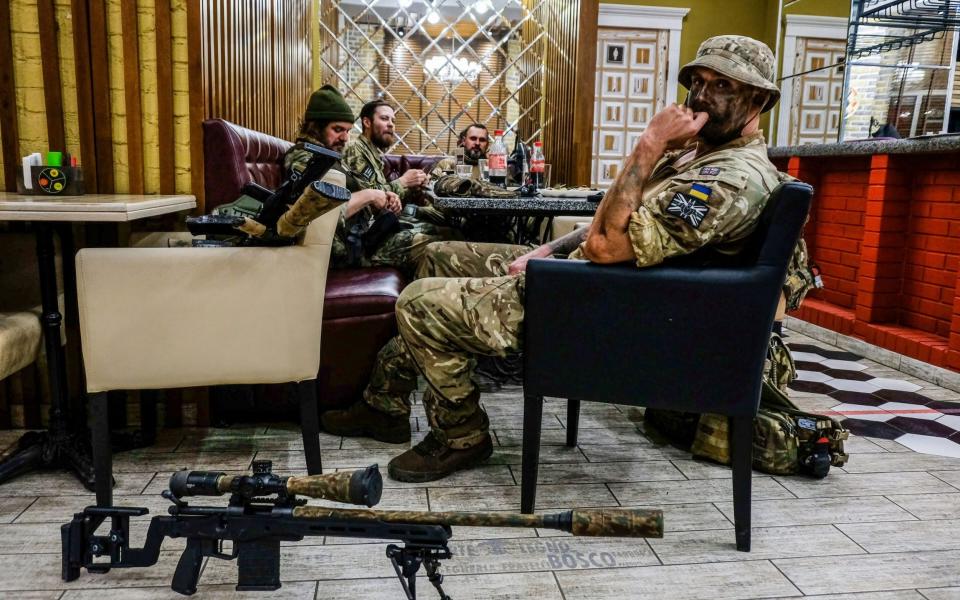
497 160
537 166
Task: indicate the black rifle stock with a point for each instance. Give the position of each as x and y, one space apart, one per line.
276 204
255 526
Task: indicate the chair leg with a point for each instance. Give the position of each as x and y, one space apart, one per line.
310 424
573 422
148 416
102 452
741 440
532 417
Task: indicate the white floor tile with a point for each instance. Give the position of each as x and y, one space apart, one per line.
859 411
914 411
950 421
808 357
928 444
846 365
894 384
812 376
854 386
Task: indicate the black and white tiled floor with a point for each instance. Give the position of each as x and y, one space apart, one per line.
887 405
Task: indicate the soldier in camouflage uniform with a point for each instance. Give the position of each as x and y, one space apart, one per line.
699 176
327 122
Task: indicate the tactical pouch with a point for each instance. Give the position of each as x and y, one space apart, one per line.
779 368
244 206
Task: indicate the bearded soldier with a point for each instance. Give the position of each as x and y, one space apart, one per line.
369 233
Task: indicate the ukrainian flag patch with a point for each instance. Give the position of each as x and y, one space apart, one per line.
700 191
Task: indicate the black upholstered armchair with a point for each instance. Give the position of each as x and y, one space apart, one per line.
670 336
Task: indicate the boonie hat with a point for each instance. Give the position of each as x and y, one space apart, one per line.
740 58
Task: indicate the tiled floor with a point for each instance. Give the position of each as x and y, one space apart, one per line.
879 404
885 527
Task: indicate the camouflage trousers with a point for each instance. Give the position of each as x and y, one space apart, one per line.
403 250
464 305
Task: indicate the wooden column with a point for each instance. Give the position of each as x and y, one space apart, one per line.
584 91
9 131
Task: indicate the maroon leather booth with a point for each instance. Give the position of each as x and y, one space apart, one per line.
358 316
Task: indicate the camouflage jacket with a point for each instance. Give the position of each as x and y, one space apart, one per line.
365 162
714 199
711 200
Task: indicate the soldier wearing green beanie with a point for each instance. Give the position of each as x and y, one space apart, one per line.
327 122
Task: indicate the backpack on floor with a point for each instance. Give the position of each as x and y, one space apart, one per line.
786 439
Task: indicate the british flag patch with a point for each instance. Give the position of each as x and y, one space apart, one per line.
688 208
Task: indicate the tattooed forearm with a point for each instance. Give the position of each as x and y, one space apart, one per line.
569 242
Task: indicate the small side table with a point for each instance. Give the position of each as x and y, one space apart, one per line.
64 444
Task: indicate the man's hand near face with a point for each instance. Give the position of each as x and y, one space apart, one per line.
608 240
673 127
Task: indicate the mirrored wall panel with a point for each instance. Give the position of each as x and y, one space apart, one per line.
443 64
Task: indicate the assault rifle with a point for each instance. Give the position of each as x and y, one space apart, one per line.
255 526
274 218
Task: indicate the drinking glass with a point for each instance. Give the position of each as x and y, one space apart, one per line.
546 175
464 171
484 170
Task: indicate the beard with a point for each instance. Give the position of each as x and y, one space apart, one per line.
336 145
473 155
720 132
382 140
722 127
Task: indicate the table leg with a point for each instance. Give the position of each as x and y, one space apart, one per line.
59 446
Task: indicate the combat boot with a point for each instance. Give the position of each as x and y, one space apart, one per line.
363 420
435 456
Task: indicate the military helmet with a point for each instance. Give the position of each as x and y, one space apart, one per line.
738 57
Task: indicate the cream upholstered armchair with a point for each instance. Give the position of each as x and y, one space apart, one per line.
155 318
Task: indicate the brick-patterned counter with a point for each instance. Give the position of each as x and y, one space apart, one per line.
885 230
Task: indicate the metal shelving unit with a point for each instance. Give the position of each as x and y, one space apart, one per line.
877 27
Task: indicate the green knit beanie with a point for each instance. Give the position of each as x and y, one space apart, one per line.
327 104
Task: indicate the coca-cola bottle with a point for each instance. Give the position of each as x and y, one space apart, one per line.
497 160
537 162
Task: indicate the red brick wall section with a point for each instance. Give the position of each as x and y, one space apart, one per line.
886 213
837 217
932 247
885 230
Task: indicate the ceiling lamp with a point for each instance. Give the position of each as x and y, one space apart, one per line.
433 18
481 7
405 3
451 70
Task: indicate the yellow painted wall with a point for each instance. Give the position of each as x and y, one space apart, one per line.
30 99
713 17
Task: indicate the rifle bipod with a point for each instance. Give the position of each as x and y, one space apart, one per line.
406 562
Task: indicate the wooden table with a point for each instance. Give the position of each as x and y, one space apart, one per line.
66 443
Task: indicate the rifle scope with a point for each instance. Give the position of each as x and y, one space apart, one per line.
363 486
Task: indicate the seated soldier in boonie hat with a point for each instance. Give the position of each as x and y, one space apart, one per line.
699 177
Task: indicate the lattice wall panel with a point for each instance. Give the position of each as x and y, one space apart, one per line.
373 49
